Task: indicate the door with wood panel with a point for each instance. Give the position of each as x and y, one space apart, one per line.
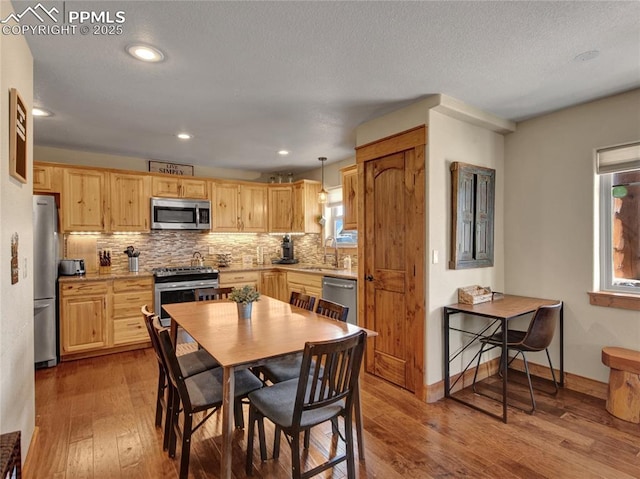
393 254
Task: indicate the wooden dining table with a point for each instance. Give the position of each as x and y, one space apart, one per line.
275 329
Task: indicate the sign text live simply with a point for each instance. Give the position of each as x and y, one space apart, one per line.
170 168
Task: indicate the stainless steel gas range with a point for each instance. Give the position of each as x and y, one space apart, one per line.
179 285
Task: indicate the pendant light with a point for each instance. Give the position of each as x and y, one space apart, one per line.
323 195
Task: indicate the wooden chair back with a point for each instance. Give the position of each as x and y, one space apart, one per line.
148 322
332 310
301 300
208 294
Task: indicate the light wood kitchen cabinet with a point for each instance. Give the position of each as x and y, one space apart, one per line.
274 284
130 210
280 208
238 279
84 199
129 295
169 187
239 207
350 197
83 317
305 283
45 179
306 209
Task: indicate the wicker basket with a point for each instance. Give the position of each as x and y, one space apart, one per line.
474 294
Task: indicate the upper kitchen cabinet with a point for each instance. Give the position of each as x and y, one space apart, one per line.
239 207
84 197
350 197
129 201
306 209
171 187
46 178
280 208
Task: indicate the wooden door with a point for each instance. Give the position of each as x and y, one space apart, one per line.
392 244
83 200
253 208
84 323
130 209
165 187
280 209
350 197
225 207
193 189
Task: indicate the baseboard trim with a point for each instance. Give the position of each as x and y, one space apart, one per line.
26 467
577 383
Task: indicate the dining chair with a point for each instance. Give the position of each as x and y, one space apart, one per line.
319 394
537 337
190 364
207 294
197 393
282 369
332 310
302 300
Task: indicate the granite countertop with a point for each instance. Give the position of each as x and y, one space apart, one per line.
321 270
105 277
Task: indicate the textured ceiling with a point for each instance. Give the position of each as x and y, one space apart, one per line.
250 78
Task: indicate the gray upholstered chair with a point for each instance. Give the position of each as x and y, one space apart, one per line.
193 394
537 337
324 390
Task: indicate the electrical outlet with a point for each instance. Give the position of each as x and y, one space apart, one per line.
212 250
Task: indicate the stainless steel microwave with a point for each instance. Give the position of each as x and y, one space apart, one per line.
180 214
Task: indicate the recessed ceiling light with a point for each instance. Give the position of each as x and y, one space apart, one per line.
145 53
586 56
184 136
40 112
283 153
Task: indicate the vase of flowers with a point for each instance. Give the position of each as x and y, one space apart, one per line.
244 298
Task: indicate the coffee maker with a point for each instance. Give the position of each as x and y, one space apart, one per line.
287 251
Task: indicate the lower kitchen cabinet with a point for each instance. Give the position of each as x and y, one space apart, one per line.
103 316
305 283
128 296
274 284
83 317
238 279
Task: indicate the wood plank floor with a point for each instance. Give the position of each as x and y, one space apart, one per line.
96 420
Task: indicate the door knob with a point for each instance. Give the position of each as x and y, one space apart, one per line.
368 277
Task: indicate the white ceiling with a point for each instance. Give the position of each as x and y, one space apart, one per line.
250 78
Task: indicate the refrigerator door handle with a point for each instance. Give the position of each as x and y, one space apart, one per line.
41 307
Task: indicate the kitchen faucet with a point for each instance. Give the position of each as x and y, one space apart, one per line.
332 244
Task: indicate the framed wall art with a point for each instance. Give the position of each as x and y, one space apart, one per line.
18 136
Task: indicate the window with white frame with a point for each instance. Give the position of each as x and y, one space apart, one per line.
619 171
334 213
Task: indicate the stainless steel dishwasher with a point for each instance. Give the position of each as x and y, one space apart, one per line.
344 292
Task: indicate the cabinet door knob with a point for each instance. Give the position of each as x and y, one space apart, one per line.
368 277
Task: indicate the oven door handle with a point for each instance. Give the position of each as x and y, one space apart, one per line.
197 216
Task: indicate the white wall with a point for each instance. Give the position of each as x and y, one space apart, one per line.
17 392
452 140
550 197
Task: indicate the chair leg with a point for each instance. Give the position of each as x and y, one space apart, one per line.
306 440
296 472
175 418
263 442
348 429
553 374
526 368
250 432
162 384
276 443
237 414
186 446
168 418
475 374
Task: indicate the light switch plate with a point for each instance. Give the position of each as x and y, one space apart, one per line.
212 250
434 256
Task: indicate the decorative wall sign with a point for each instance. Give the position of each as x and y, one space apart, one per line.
14 259
170 168
18 136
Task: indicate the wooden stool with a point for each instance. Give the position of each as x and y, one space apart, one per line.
623 400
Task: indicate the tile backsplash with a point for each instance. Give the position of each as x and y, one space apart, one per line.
176 248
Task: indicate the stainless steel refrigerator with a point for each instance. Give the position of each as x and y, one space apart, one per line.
45 274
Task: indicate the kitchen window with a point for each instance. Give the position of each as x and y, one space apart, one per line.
333 213
619 174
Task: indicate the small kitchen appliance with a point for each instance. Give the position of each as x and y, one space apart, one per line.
71 267
287 252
